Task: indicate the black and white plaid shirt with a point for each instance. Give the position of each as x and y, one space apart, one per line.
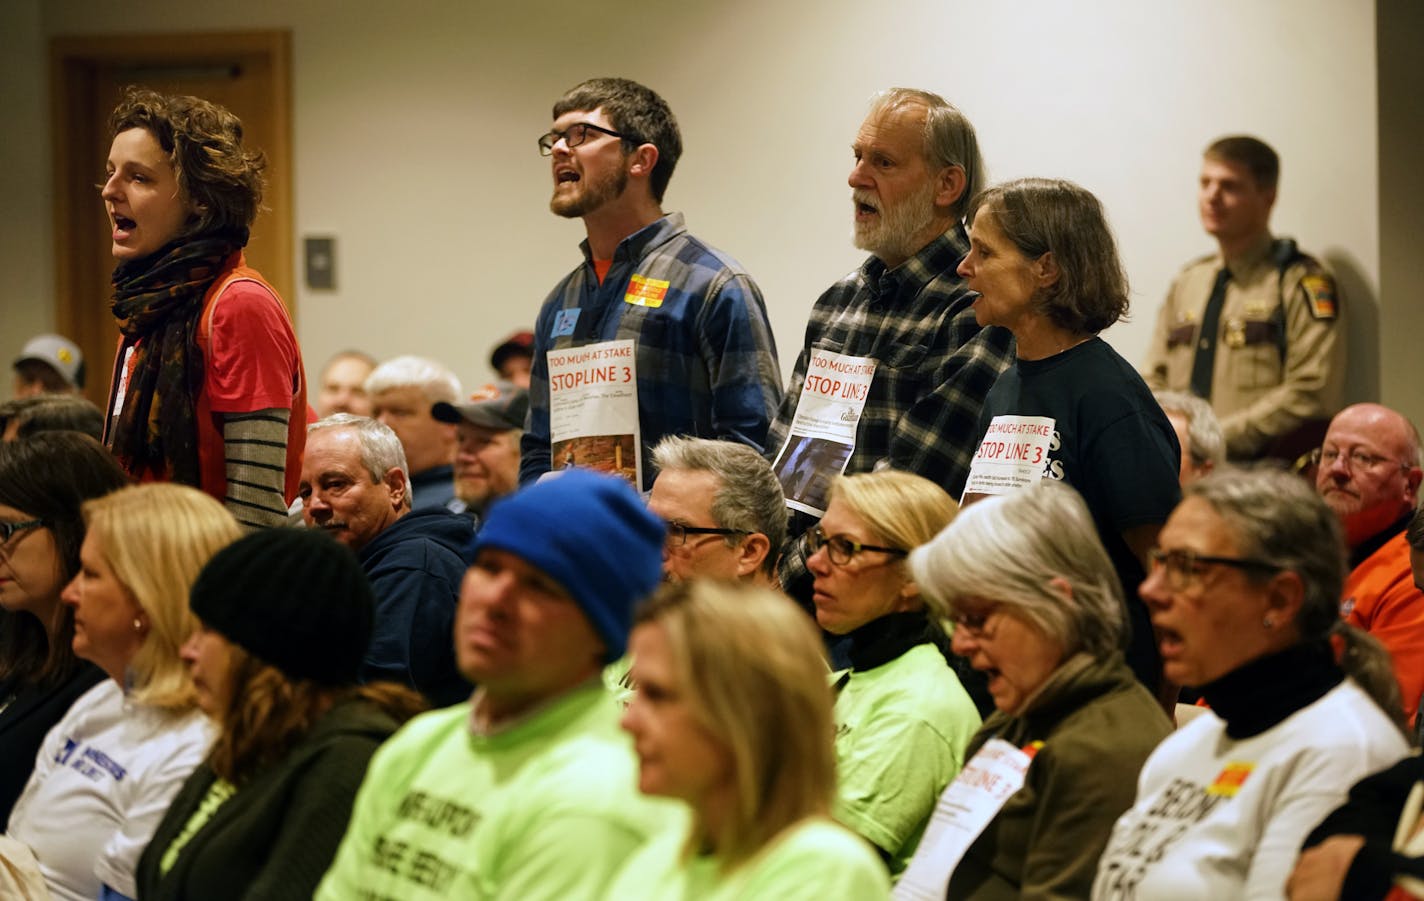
935 364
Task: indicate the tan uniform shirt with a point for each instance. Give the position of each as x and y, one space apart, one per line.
1280 345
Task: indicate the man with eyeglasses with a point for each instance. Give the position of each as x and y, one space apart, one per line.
902 320
724 510
704 354
1368 472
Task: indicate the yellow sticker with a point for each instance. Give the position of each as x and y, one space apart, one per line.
646 292
1320 295
1229 781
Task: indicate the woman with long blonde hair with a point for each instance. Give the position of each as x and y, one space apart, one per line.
107 772
732 715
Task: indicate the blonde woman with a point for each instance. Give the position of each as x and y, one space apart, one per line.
732 715
902 716
107 772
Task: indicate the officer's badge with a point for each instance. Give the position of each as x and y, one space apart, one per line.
1320 296
1235 333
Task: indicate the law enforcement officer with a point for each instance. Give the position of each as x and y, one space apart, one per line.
1257 327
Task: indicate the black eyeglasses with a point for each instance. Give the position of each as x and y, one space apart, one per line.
1185 567
842 549
8 529
1357 460
677 532
576 134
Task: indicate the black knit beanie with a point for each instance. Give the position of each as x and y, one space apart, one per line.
294 598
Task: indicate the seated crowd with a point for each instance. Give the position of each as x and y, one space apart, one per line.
1023 629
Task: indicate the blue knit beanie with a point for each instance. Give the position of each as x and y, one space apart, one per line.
593 535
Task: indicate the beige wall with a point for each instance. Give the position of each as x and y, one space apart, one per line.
415 127
1401 180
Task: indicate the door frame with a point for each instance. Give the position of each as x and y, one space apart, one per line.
75 130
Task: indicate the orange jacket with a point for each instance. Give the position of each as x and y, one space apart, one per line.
1380 598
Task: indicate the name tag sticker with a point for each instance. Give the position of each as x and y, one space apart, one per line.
1229 781
564 322
646 292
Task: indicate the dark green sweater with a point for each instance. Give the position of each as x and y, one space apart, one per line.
275 837
1097 725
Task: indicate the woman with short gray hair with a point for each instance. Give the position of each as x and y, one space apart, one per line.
1244 594
1070 408
1036 605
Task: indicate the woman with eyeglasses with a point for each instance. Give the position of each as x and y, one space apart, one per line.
106 773
1245 594
1071 409
1036 605
44 480
902 716
738 727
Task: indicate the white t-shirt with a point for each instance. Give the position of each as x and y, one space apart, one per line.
103 780
1220 818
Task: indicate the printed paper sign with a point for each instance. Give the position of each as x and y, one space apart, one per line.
970 802
1014 453
593 409
822 433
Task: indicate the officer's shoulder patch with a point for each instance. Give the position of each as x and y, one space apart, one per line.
1320 296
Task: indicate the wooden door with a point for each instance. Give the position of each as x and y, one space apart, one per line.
248 73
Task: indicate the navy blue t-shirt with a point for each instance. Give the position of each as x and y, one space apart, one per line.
1111 442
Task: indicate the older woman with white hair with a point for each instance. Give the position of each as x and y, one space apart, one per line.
1036 605
1244 594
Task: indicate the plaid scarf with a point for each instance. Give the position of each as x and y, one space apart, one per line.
158 301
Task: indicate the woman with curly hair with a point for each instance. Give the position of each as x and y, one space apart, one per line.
208 388
284 618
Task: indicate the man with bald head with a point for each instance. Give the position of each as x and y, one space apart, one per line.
1368 473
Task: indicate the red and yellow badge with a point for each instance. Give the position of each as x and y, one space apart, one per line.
646 292
1031 749
1320 295
1229 781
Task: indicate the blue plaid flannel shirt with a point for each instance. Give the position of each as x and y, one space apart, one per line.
706 358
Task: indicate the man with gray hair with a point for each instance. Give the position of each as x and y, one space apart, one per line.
1198 433
402 391
902 321
354 487
724 509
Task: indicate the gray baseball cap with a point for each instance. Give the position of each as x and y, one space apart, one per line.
499 405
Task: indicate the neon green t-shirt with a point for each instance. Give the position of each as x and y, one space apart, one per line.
546 808
901 731
815 860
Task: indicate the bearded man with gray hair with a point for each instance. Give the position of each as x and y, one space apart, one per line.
902 320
